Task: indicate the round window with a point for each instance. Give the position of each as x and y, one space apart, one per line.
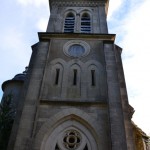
72 139
76 50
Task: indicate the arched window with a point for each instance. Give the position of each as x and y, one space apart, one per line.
85 23
69 23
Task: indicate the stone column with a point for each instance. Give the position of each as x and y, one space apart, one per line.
77 23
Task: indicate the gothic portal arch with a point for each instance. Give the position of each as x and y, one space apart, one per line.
70 129
69 135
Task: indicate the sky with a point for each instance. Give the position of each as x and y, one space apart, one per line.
21 20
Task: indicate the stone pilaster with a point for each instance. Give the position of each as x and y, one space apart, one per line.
116 118
127 109
28 117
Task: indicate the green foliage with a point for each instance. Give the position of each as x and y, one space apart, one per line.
7 114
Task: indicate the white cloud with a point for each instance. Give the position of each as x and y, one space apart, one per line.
114 6
15 54
39 12
42 24
37 3
18 33
135 43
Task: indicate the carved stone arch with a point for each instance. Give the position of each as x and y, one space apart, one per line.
67 119
52 68
76 64
57 72
76 61
68 10
57 60
89 10
86 11
98 64
57 64
74 81
95 63
96 85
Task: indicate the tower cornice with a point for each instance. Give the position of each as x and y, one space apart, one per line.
80 3
45 36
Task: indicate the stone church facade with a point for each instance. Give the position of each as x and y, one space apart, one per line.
73 95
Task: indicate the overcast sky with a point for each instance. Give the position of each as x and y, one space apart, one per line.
128 19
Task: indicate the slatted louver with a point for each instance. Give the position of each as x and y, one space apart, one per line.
69 23
85 23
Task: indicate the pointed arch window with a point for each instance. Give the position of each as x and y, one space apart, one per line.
85 23
69 23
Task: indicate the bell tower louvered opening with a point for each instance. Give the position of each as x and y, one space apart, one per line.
69 23
85 23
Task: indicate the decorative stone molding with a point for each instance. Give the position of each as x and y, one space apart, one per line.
77 10
66 78
77 3
71 139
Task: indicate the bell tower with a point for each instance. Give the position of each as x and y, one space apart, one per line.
78 16
74 96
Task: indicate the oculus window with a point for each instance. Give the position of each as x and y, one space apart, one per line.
76 48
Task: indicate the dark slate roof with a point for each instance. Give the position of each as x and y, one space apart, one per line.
17 78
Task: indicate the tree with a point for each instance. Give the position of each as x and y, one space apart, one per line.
7 115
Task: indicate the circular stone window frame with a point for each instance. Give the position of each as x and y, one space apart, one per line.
85 45
83 139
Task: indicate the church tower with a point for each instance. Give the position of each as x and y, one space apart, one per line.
74 95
